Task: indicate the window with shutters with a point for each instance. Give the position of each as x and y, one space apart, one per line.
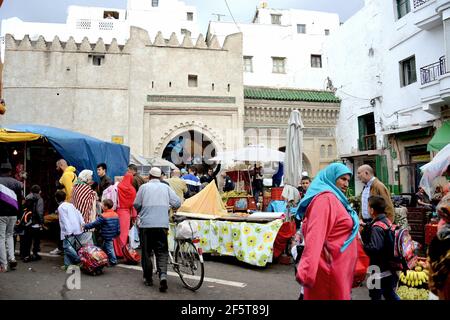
279 65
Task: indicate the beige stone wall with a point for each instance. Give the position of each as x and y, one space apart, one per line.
140 91
266 123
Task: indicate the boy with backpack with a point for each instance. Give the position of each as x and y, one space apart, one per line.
108 223
34 221
379 244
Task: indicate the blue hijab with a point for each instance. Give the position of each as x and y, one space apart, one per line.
326 181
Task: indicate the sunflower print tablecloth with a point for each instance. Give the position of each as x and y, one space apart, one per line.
248 242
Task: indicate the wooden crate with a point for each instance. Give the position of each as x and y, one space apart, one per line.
417 220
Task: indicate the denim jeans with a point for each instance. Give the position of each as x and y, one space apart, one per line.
388 286
71 247
109 249
7 239
70 254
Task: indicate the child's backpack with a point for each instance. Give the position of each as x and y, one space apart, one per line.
111 193
400 245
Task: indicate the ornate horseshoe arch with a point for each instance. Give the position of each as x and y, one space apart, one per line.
187 126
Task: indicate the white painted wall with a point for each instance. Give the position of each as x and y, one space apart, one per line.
262 41
359 77
170 16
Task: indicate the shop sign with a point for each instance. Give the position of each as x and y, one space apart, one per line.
421 158
117 139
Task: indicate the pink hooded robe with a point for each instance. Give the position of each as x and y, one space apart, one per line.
324 271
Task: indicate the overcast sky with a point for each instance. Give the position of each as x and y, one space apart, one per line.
242 10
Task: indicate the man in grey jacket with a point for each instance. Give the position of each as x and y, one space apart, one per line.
152 202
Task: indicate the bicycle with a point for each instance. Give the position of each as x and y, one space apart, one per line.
187 260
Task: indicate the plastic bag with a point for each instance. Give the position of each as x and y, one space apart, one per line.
133 236
187 230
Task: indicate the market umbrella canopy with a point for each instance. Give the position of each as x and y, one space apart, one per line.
15 136
258 153
80 150
159 162
435 168
208 201
293 157
441 137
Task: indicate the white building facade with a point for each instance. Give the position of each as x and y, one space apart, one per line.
283 48
387 64
165 16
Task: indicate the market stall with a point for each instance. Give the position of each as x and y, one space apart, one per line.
248 237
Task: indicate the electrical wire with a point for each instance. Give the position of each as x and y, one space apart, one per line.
348 94
232 16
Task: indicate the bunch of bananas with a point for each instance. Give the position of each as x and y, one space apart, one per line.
414 278
406 293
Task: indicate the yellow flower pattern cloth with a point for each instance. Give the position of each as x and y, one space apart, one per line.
248 242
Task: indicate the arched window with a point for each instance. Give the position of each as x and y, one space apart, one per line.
322 151
330 151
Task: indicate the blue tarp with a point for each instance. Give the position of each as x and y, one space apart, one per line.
280 206
82 151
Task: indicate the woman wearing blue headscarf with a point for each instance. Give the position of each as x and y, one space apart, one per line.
330 227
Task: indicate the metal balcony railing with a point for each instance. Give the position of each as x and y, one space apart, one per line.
368 142
418 3
432 71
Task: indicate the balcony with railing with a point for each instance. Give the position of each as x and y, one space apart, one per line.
368 142
435 89
433 71
419 3
426 13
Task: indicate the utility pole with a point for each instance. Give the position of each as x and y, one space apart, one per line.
218 15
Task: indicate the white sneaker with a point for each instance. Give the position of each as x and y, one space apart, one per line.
55 252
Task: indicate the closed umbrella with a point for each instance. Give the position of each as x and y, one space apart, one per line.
293 157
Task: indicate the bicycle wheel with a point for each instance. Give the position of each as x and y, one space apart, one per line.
189 265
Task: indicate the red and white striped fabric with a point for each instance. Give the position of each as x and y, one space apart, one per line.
83 198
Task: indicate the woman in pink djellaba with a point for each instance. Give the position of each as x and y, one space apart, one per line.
330 227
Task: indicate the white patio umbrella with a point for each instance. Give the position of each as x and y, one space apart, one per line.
258 153
434 168
293 158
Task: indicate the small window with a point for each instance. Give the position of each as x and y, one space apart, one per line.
408 71
322 151
278 65
301 28
154 3
327 32
316 61
212 86
190 16
185 32
330 151
192 81
276 18
153 84
97 60
403 8
228 87
248 64
170 84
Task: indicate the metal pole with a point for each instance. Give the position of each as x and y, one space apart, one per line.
25 169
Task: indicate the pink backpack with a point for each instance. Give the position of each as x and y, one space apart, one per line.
111 194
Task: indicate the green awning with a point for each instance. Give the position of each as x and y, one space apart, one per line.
441 138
